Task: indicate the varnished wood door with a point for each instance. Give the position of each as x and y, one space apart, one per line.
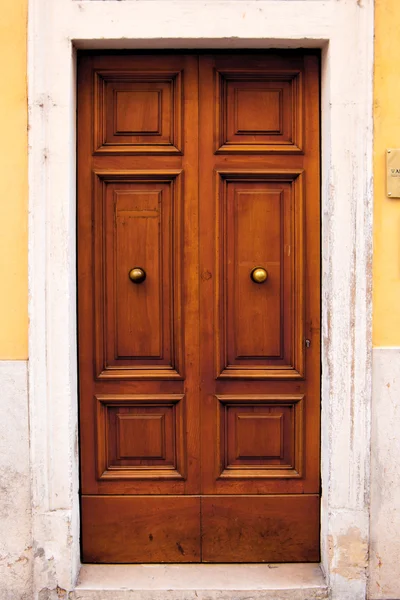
199 386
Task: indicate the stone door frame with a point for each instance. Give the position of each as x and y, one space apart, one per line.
344 32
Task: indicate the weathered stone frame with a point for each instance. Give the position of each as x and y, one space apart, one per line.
344 31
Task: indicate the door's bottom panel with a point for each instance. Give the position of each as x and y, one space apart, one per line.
157 529
129 529
260 528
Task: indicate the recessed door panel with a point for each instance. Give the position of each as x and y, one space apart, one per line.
260 436
138 112
138 226
140 436
260 223
259 110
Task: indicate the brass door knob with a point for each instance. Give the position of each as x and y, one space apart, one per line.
137 275
258 275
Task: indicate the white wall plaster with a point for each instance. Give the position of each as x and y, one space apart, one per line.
15 494
385 476
344 29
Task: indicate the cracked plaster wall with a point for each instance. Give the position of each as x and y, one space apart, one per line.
384 581
15 495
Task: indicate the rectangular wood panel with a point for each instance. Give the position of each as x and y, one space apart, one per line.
138 224
260 529
260 223
139 213
255 209
129 529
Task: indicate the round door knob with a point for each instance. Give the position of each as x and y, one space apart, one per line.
137 275
258 275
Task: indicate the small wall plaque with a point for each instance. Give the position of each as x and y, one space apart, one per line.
393 172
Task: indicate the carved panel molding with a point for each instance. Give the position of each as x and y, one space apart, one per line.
259 328
138 112
261 436
140 436
259 112
138 222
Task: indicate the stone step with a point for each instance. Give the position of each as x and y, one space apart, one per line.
303 581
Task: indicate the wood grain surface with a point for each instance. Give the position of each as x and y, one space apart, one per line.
199 388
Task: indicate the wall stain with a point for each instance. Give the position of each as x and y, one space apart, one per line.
352 552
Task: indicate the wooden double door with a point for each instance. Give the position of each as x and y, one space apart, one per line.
199 306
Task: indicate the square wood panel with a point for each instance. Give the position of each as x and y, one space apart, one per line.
138 113
259 112
139 437
260 436
265 116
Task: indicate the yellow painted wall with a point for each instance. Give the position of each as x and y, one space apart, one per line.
14 181
13 176
386 262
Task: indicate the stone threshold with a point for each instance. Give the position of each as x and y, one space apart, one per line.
295 581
